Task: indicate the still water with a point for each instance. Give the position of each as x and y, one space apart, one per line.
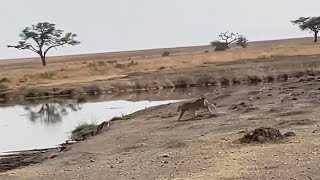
35 126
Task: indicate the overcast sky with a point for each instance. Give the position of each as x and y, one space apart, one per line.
114 25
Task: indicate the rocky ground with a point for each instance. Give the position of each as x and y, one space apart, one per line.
152 144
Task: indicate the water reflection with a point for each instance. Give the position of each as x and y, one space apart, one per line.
52 111
49 123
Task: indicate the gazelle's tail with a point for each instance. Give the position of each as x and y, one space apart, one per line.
179 108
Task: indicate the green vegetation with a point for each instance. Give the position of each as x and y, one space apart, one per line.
34 92
126 117
82 131
81 99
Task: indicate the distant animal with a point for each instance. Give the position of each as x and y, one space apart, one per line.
201 102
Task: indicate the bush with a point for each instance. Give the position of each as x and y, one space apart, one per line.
183 82
220 46
165 53
93 90
120 66
81 99
34 92
47 75
82 131
101 63
132 63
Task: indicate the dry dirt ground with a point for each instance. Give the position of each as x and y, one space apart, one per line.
152 144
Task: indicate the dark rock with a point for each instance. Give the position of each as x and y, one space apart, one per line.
289 134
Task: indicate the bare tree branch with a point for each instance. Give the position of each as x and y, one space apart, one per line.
229 38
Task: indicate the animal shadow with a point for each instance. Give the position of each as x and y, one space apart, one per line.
200 117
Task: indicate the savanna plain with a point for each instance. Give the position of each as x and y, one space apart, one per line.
272 84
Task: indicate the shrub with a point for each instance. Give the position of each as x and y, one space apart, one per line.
132 63
34 92
183 82
101 63
120 66
82 131
81 99
165 53
93 90
47 75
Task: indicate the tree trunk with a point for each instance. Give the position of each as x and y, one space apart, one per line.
315 36
43 59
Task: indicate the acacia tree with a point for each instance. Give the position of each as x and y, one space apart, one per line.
309 23
227 38
42 37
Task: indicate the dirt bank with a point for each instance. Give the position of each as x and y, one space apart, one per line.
248 72
154 145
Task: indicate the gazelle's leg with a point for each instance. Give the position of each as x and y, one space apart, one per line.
181 114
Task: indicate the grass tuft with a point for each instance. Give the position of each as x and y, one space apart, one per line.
82 131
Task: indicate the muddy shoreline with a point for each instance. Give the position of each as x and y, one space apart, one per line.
19 159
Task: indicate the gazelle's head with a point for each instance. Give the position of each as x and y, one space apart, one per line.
202 97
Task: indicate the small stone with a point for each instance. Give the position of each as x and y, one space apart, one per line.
288 134
165 155
53 156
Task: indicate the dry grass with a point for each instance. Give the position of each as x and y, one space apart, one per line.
87 68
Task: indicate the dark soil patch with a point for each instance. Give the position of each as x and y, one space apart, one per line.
264 135
300 122
175 144
26 158
250 109
292 113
